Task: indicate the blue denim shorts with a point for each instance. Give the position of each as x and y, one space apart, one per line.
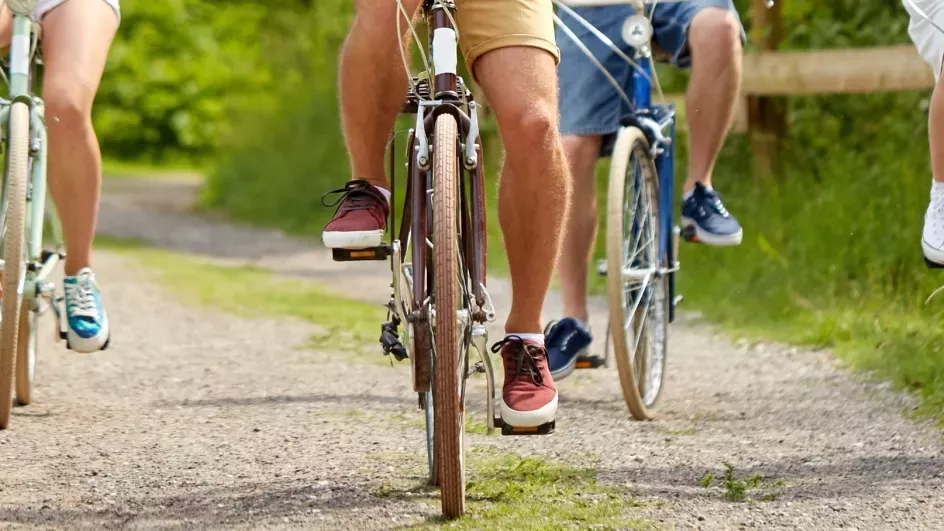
589 105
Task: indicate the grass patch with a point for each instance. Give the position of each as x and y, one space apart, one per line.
736 489
475 424
507 491
254 292
707 481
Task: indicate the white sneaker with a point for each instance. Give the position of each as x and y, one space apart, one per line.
932 238
88 324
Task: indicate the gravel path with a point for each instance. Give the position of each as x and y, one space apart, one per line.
197 419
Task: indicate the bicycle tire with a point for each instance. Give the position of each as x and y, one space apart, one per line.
640 355
26 351
14 268
447 404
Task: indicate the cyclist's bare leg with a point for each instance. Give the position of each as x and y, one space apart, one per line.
580 231
936 132
76 39
6 27
715 43
373 85
535 187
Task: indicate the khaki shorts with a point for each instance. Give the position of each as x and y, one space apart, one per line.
486 25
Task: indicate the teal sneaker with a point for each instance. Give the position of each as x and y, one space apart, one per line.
88 324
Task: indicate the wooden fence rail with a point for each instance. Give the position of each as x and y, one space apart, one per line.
847 71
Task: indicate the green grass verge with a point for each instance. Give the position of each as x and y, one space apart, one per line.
254 292
117 169
831 256
507 491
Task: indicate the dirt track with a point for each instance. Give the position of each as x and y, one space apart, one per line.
199 419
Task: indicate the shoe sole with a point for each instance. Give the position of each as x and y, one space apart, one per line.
933 258
353 240
89 345
528 419
707 238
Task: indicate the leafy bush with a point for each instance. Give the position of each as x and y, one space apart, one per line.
176 72
286 157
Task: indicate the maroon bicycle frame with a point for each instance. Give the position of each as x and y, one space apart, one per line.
416 221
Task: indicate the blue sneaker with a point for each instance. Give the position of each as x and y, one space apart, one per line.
705 219
565 340
88 325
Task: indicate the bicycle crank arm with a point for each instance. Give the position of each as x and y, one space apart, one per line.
37 286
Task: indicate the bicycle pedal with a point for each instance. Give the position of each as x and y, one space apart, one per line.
589 362
688 234
361 255
933 265
507 429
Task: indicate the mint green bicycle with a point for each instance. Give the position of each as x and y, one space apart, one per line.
26 266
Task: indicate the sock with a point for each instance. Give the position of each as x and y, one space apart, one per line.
384 191
533 338
937 189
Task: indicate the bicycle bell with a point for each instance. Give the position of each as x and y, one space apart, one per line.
637 31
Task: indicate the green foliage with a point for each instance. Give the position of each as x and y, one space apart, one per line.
286 157
176 70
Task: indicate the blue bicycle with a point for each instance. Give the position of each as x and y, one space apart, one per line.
641 235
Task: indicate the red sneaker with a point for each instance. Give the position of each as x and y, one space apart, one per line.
529 398
361 218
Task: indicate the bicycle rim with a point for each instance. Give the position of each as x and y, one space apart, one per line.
14 270
638 301
447 413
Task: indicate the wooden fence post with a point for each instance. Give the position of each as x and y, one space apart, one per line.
766 115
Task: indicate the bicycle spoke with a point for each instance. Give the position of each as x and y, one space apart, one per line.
641 326
640 248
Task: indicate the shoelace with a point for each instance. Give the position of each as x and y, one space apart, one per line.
354 196
936 209
715 201
527 358
81 297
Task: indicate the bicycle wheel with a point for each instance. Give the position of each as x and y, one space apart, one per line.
638 290
14 269
447 404
26 349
